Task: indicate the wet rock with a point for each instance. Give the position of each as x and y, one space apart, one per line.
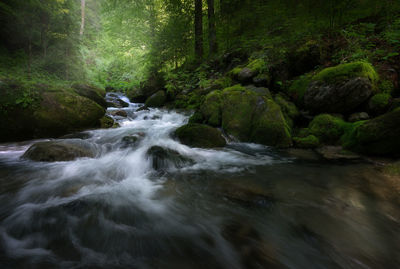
80 135
121 113
337 153
131 140
108 122
164 158
246 195
118 103
200 135
358 116
156 100
60 150
142 108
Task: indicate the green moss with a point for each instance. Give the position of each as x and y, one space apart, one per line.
200 135
238 105
346 71
270 127
222 83
108 122
289 109
379 101
197 117
156 100
211 108
392 169
386 86
328 128
299 87
310 141
235 71
257 66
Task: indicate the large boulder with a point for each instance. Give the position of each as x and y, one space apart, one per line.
200 135
38 110
328 128
211 108
379 136
253 72
93 93
165 158
253 117
156 100
60 150
341 89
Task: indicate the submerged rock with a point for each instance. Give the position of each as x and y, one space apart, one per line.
200 135
121 113
116 102
108 122
337 153
164 158
60 150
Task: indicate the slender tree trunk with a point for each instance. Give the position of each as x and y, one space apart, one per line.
212 35
198 29
83 17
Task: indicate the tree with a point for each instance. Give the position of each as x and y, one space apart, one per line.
198 29
212 35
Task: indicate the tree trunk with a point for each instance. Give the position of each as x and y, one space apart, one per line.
198 29
212 35
83 18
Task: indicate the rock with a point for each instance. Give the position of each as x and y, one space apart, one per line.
60 150
308 142
156 100
211 108
378 136
44 111
252 117
121 113
262 91
108 122
379 103
262 80
142 108
137 96
131 140
91 92
288 108
118 103
200 135
164 158
337 153
327 128
304 58
197 117
80 135
358 116
245 75
341 89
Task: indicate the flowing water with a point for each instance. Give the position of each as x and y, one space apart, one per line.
242 206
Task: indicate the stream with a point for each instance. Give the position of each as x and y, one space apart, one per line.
242 206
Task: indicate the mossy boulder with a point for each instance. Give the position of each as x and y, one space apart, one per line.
108 122
211 108
379 103
378 136
253 69
156 100
200 135
328 128
308 142
341 89
93 93
60 150
289 109
253 117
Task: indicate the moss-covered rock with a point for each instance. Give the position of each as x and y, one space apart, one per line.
211 108
379 136
156 100
36 110
254 68
108 122
379 103
341 89
298 88
200 135
164 158
197 117
93 93
327 128
269 125
307 142
347 71
289 109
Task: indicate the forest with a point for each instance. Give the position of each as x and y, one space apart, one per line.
199 134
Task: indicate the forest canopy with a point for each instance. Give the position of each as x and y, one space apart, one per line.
120 43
